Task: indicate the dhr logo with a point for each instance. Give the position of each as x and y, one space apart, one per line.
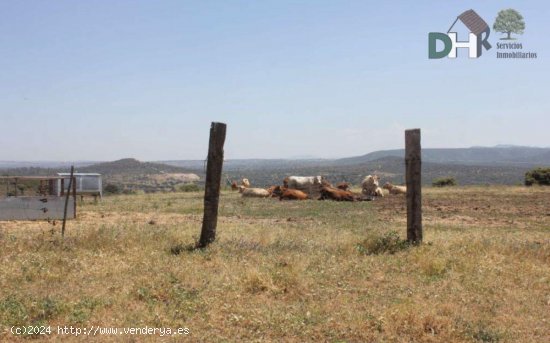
479 33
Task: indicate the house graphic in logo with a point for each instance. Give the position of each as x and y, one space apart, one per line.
477 40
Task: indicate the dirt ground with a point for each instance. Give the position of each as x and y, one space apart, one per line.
504 207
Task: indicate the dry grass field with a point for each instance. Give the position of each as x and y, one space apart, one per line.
312 271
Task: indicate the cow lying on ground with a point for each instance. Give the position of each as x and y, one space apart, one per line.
275 191
370 186
292 194
253 192
343 186
395 189
337 194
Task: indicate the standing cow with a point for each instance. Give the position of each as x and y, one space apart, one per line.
297 182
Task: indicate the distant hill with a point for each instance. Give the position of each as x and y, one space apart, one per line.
126 166
390 169
128 174
132 175
476 165
250 164
482 156
62 165
499 155
131 166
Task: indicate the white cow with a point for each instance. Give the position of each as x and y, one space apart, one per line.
299 182
395 189
254 192
371 186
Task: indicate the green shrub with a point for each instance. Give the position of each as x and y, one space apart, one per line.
389 243
538 176
481 332
444 182
178 248
13 311
111 189
188 187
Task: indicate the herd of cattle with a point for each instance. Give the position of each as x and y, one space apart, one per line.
317 187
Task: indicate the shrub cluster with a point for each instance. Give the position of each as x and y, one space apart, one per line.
444 182
389 243
538 176
111 188
188 187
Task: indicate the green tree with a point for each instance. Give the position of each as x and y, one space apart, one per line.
538 176
509 21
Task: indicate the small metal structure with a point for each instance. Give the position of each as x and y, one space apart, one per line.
42 204
86 184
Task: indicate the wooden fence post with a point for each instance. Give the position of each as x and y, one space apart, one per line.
213 182
414 185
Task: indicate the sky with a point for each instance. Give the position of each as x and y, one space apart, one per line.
102 80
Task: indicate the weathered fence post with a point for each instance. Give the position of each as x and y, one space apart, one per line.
67 202
74 194
213 182
414 185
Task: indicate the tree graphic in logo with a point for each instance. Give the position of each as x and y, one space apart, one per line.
509 21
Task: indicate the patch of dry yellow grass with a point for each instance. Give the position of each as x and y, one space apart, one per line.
289 271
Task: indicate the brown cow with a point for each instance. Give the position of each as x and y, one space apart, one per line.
292 194
343 186
338 194
275 191
285 182
234 186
